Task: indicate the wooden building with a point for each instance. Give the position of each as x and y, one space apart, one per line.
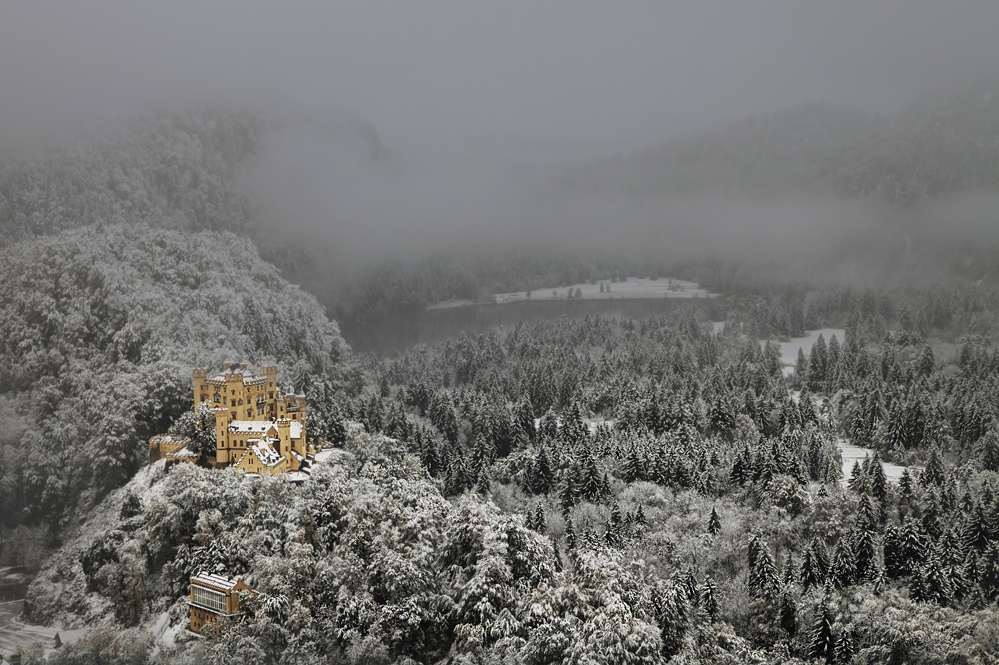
214 596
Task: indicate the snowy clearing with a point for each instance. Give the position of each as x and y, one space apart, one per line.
633 287
852 454
789 349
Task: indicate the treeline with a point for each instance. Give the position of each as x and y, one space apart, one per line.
102 327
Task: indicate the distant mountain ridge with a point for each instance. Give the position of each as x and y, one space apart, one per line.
177 170
938 145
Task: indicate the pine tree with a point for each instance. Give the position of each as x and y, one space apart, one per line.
714 523
990 451
709 598
540 519
640 516
633 468
613 533
926 362
857 482
787 609
570 535
934 473
989 575
801 367
878 481
764 580
823 639
817 363
567 495
843 571
589 480
811 573
865 556
544 477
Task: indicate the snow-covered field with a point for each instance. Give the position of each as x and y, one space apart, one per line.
789 349
852 454
633 287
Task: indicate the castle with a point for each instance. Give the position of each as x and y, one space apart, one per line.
258 429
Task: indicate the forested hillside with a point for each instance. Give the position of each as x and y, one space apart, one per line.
169 170
101 328
944 144
588 491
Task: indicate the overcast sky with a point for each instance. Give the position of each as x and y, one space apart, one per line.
533 73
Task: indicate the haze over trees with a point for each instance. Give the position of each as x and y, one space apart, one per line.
585 489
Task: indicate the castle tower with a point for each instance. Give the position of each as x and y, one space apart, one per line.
200 386
234 390
222 451
284 436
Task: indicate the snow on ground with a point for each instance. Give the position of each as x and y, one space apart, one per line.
633 287
448 304
853 454
789 349
163 633
14 632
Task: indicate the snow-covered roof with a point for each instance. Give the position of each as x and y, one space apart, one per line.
266 454
247 378
250 426
167 438
219 582
296 429
182 452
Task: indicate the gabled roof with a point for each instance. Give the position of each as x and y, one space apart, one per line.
217 582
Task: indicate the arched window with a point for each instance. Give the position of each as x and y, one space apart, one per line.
218 398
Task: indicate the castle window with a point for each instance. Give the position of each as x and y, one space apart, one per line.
249 413
224 400
272 396
217 398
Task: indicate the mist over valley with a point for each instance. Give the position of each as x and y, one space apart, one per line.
499 333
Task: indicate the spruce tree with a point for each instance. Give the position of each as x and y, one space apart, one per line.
787 609
714 523
540 519
843 571
811 574
709 598
823 639
764 580
989 572
544 477
640 516
613 533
